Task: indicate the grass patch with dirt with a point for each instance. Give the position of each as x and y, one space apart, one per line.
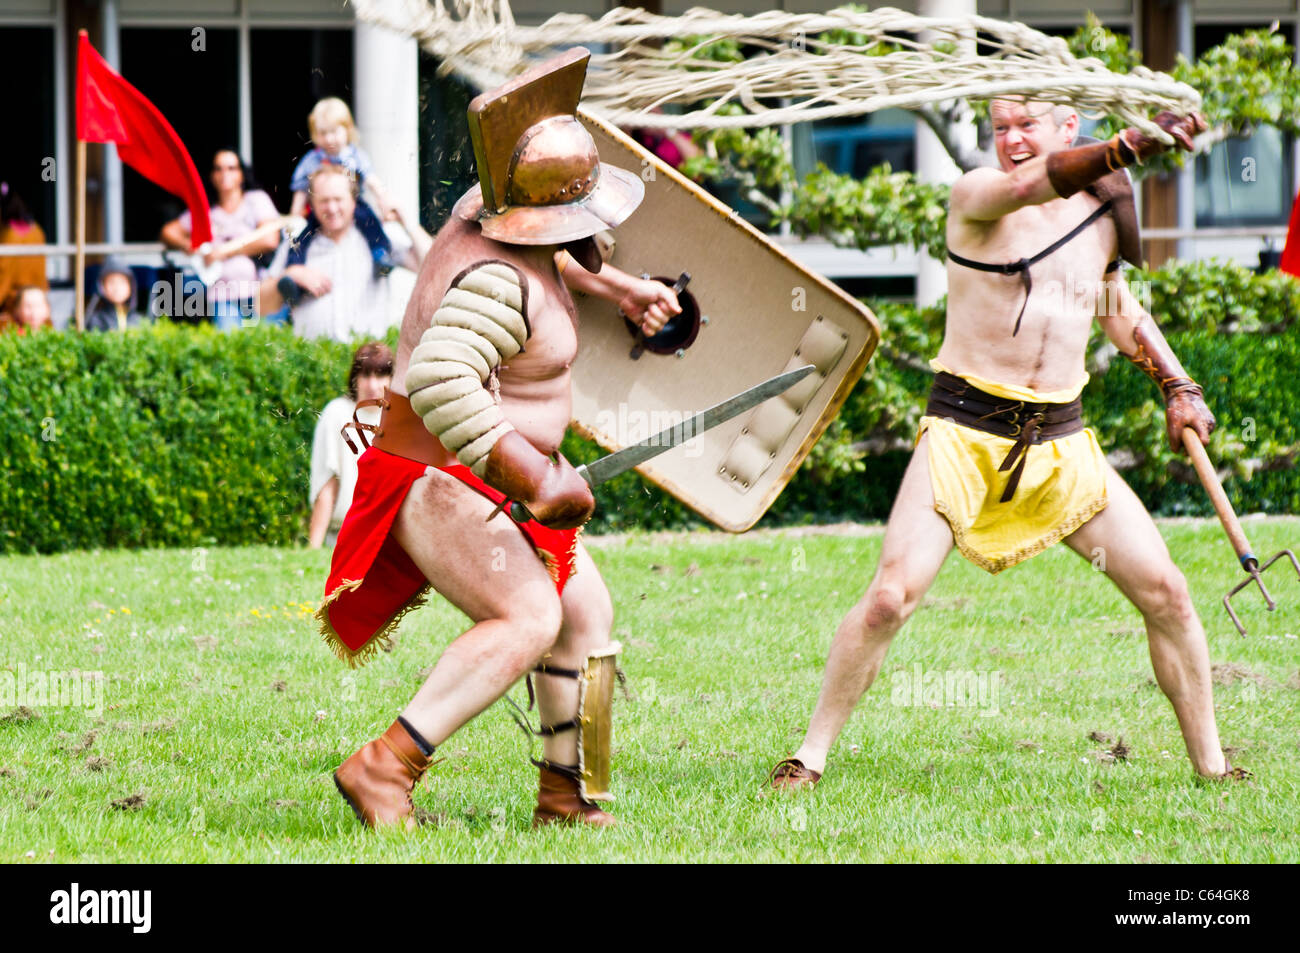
223 715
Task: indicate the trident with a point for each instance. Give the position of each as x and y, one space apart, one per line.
1232 526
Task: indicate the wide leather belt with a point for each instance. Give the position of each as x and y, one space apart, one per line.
1025 422
400 432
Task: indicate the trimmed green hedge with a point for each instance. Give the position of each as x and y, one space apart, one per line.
1252 384
163 436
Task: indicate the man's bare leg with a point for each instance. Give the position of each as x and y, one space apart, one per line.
588 616
917 541
1138 562
490 572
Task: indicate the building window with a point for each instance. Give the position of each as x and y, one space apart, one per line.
290 71
856 145
447 167
1242 181
196 93
26 161
1245 181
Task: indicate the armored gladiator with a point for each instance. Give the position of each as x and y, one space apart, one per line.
1003 466
472 424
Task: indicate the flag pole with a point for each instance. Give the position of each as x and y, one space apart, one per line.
81 235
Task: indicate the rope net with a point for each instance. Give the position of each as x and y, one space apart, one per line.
806 66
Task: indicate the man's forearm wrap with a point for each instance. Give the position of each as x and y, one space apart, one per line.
517 469
480 323
1071 170
1154 358
555 493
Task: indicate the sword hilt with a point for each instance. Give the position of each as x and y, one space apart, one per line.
516 511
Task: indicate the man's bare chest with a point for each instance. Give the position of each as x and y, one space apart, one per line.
552 343
1060 240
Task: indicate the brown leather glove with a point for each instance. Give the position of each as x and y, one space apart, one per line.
554 493
1184 399
1185 407
1071 170
1182 128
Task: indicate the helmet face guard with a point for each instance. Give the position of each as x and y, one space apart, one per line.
541 181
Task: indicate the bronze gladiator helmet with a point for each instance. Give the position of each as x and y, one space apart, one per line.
541 181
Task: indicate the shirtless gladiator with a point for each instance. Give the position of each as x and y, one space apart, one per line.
1003 467
479 405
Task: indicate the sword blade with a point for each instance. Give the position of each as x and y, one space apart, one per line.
610 466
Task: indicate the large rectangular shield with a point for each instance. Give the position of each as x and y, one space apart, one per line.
759 313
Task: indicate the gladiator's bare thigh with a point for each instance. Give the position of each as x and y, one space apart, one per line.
917 537
487 569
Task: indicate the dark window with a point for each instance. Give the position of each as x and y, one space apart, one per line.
291 71
858 144
1207 35
197 92
446 153
26 161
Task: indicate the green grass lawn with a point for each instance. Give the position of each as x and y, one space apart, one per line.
224 715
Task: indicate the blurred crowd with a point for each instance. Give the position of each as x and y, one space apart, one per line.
324 268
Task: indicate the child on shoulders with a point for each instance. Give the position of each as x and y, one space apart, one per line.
335 136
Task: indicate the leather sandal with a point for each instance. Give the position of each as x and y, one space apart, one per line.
791 774
1234 774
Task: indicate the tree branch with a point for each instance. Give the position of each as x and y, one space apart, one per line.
942 123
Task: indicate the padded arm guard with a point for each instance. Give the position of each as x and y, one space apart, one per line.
481 322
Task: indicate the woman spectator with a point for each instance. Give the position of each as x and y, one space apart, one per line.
17 227
238 210
29 311
333 464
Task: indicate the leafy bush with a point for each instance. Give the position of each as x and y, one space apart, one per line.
162 436
1250 385
171 436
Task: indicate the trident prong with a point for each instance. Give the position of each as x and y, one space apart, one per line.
1251 565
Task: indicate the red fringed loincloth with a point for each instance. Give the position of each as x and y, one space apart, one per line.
373 582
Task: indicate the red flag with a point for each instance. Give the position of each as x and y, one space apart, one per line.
1291 251
109 109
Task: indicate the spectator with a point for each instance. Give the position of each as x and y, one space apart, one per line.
114 308
336 293
333 464
29 311
335 137
674 146
17 227
238 210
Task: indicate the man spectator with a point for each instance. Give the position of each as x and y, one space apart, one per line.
333 464
336 292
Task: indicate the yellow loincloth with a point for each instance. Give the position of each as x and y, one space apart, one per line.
1063 485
